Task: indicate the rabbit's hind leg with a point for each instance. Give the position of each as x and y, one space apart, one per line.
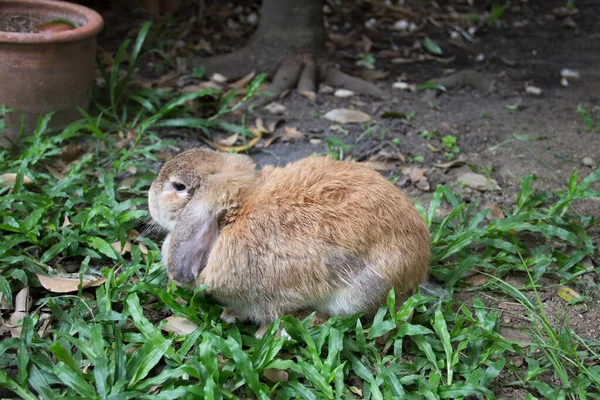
365 293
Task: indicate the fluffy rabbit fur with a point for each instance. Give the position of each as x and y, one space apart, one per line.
317 234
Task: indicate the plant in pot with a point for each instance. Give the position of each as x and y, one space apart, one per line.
47 63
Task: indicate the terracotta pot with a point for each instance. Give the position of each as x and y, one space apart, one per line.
44 72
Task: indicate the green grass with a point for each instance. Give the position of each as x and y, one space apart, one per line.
108 341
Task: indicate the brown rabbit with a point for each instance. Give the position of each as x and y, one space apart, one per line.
317 234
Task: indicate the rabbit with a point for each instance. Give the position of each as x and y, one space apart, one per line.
320 234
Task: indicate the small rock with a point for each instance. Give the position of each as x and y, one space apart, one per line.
216 77
478 182
401 85
480 57
401 25
569 23
347 116
275 108
569 73
370 23
315 141
588 162
325 89
534 90
564 82
342 93
252 18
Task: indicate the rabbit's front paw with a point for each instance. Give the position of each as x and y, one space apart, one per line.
229 316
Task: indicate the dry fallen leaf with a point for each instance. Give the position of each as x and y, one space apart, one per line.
495 212
568 294
515 335
415 173
478 182
382 165
477 280
270 141
275 375
347 116
454 163
179 325
243 81
10 178
261 126
432 147
226 140
423 184
291 133
22 306
309 94
200 86
122 250
66 222
59 284
275 108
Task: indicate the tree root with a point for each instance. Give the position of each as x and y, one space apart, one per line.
299 70
335 77
470 78
285 78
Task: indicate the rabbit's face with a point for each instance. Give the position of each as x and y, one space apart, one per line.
177 182
187 198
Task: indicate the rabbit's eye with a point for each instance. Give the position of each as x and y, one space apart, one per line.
180 187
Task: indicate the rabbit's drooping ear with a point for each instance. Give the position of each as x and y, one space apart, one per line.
191 242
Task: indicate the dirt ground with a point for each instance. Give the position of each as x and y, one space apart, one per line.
543 135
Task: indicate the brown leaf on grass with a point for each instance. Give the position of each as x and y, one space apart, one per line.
163 155
179 325
143 248
515 335
275 375
477 280
22 306
291 133
240 83
568 294
44 325
167 79
200 86
226 140
72 152
59 284
9 179
495 212
122 250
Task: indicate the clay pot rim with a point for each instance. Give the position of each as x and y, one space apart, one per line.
94 24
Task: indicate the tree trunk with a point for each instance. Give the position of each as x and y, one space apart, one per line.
289 46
